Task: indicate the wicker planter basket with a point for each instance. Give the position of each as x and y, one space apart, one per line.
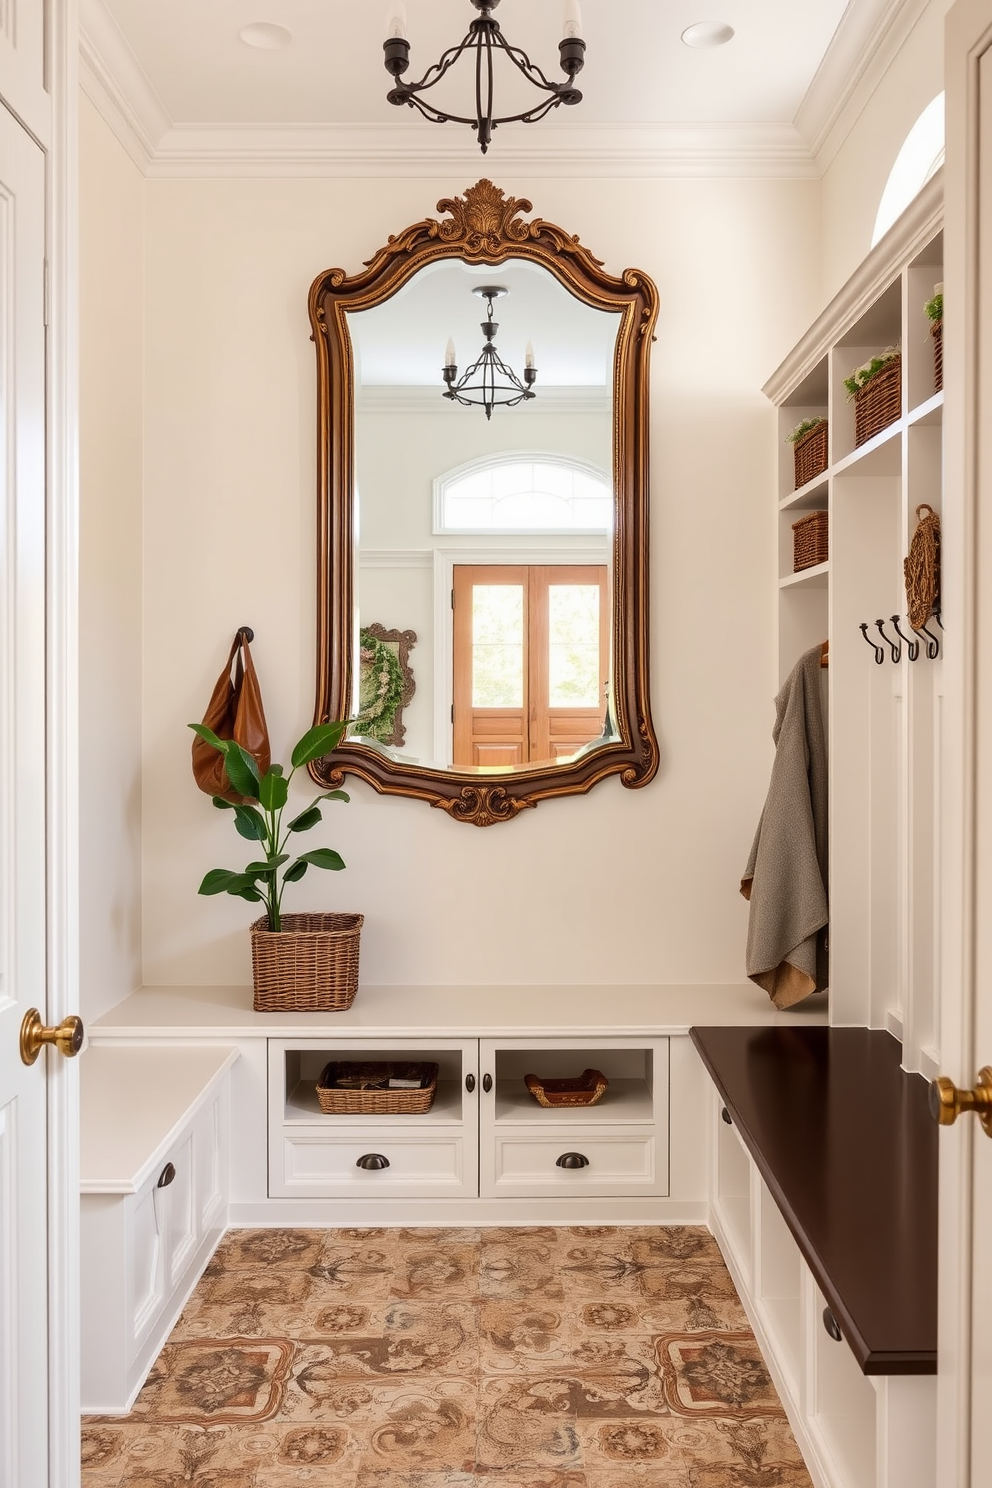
879 402
311 964
809 541
811 454
350 1088
937 332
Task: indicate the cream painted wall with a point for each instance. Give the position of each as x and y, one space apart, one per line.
853 184
628 886
112 194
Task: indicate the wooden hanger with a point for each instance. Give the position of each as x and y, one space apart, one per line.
825 653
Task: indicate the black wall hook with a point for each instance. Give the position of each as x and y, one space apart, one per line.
894 646
932 642
247 632
912 647
879 653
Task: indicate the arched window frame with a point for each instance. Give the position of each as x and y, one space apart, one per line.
443 482
920 155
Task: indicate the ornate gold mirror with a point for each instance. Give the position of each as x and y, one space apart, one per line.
512 540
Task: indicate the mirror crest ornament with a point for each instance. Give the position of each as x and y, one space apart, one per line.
486 227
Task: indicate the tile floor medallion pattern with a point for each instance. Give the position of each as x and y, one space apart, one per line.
586 1357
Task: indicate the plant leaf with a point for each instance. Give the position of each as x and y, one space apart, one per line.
318 741
322 857
218 881
269 866
335 796
249 823
305 820
251 894
242 771
221 804
209 737
273 791
295 871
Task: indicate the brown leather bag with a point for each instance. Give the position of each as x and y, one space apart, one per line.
234 712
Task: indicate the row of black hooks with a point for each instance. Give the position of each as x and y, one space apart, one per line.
927 642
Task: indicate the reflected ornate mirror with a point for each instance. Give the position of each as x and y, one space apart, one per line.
512 539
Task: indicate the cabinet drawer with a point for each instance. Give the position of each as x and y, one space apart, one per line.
315 1164
622 1162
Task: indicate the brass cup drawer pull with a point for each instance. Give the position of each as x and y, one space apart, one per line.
572 1160
66 1036
947 1102
372 1162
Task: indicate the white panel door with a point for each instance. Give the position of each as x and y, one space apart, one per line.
23 1095
23 25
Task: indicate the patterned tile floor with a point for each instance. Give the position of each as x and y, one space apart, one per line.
594 1357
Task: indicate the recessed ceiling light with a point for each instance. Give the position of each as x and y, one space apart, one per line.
265 35
707 34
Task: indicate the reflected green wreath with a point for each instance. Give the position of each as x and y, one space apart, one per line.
381 688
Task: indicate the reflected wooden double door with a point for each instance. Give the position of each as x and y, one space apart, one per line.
531 661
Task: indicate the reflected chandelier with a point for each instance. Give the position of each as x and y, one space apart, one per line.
484 38
489 382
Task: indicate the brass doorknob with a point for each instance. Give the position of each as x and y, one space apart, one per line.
947 1101
67 1037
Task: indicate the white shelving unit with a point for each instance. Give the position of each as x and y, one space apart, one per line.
884 719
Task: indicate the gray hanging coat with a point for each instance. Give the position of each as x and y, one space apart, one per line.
786 875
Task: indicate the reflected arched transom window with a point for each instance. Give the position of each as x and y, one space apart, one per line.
523 493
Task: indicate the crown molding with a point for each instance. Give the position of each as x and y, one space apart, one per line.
116 84
409 150
869 37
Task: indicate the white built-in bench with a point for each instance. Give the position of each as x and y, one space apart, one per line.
154 1159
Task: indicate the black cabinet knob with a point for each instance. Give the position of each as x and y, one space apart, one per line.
166 1176
830 1323
372 1162
487 1083
470 1083
572 1160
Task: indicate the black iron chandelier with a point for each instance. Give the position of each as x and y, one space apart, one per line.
484 38
489 383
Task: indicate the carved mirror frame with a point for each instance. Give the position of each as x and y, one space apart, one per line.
485 227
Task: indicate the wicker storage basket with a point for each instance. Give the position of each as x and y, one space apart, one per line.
311 964
581 1090
879 402
366 1092
809 541
811 454
937 332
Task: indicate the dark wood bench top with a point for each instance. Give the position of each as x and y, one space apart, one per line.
846 1146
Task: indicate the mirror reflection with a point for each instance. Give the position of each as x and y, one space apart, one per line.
484 544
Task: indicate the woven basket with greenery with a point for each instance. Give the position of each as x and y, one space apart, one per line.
809 447
809 541
934 309
311 964
876 388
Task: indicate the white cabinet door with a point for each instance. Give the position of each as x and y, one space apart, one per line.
23 1094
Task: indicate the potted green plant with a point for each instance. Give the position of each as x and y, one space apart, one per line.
298 960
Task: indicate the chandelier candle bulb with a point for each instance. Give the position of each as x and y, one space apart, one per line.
529 354
449 353
571 21
396 21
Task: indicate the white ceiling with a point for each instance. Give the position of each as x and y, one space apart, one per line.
637 70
